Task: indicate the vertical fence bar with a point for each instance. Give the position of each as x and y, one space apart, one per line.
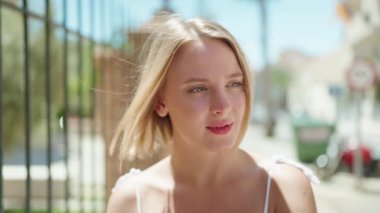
101 71
80 105
106 24
66 108
93 103
124 26
27 106
1 113
102 67
48 102
111 22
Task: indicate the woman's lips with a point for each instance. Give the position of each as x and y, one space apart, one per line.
220 130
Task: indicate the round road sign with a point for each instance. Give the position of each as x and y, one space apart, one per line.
362 75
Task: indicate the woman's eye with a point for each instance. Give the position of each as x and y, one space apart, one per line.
197 89
236 84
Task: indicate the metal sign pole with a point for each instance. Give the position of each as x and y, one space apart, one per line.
361 76
358 158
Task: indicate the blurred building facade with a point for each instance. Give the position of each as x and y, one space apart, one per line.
318 84
318 87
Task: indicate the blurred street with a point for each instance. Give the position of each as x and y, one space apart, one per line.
69 70
338 195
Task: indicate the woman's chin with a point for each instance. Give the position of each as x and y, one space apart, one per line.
221 145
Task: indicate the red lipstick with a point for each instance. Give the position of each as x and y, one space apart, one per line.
220 129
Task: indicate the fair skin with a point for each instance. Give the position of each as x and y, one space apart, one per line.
204 97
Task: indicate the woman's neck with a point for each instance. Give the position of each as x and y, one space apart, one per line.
205 168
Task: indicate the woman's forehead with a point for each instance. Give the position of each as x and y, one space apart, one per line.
197 48
203 55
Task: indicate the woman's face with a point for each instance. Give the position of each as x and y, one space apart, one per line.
204 96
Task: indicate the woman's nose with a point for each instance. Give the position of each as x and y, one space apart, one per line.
220 103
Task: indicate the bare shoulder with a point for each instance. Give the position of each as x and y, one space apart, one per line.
148 184
292 189
123 197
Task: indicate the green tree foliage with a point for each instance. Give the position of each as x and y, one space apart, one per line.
12 85
13 78
280 77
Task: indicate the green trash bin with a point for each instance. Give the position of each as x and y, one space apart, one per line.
311 138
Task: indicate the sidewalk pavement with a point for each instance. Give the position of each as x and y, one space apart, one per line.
338 195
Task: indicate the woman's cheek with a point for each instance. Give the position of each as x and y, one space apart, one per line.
197 103
240 101
238 95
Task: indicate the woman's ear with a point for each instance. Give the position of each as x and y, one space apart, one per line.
160 108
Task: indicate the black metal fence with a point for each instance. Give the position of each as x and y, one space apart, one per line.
47 103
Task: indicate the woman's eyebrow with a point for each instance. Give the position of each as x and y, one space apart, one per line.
192 80
203 80
235 75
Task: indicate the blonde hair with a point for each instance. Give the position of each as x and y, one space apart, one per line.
141 129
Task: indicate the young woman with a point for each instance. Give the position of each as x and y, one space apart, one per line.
195 97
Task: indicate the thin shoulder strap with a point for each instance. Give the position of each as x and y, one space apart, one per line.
127 177
280 159
134 173
269 180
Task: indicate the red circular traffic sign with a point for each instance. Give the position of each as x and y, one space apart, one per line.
361 75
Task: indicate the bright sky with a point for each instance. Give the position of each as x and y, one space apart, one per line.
310 26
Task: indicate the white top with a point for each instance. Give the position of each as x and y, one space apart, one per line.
277 159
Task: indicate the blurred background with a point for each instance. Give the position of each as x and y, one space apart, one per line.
67 75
